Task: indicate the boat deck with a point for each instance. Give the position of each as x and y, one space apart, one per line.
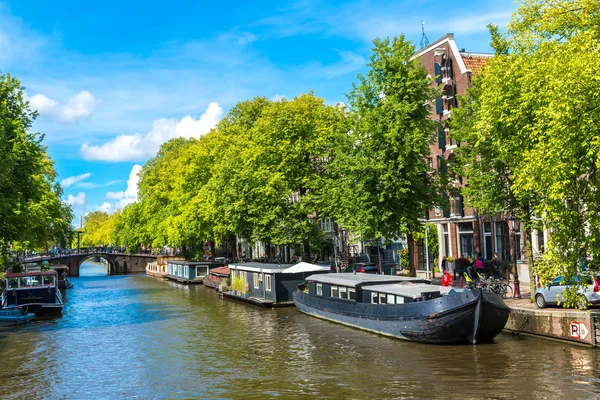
258 301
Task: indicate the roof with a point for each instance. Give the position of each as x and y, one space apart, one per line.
37 273
59 266
260 267
181 262
475 61
352 279
220 271
408 289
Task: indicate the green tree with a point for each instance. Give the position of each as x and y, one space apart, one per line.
30 208
530 126
379 183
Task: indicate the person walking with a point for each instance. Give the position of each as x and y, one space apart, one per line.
479 265
496 265
444 264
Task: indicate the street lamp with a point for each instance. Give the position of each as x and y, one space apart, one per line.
513 231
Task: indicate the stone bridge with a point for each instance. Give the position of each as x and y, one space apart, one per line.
118 264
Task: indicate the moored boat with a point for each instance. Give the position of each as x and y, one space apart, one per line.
216 277
14 316
62 272
404 308
158 268
35 292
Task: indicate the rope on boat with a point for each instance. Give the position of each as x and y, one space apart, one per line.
517 331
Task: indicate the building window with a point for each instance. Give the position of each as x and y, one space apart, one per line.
326 225
446 249
268 282
256 277
351 294
502 240
319 289
334 291
374 298
487 240
430 162
465 238
343 293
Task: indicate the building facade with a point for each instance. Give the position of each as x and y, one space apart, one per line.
460 230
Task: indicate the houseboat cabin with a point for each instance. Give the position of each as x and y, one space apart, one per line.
268 284
368 288
62 272
159 267
190 271
37 292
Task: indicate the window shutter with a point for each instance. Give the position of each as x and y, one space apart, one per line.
446 206
437 69
439 107
449 69
441 137
453 101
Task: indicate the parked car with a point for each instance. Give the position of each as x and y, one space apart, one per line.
367 268
329 264
552 293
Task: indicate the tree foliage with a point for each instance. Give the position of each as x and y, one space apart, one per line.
531 127
30 208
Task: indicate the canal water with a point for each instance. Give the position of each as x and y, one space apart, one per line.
139 337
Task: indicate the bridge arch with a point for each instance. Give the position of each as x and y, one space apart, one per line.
111 268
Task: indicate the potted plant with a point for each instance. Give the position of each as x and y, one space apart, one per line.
450 264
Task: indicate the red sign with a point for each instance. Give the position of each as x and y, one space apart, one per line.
574 330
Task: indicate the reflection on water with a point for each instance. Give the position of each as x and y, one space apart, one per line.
135 336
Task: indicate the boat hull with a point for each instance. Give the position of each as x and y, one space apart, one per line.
12 317
448 319
494 316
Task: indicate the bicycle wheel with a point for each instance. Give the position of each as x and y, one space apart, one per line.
508 292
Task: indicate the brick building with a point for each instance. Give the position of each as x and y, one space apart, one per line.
460 229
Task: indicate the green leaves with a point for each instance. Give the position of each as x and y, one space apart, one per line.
378 182
30 206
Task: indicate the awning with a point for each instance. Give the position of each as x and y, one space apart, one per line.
304 267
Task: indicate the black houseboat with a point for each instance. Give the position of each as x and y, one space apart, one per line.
36 292
404 308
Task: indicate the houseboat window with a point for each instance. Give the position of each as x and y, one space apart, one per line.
399 300
374 298
334 291
186 271
351 293
255 277
319 289
13 283
268 282
179 270
382 298
391 299
343 293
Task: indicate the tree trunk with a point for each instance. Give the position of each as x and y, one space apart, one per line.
306 250
410 242
530 263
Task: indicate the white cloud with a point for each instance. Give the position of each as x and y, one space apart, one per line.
106 207
278 97
139 147
349 62
115 195
65 183
92 185
129 195
79 106
77 201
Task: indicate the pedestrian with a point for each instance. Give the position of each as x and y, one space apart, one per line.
444 264
463 263
479 264
496 265
470 265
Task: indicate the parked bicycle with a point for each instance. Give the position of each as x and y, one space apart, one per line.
495 285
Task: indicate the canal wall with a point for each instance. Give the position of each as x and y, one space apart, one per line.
570 325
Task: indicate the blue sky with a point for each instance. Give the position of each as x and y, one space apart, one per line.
112 80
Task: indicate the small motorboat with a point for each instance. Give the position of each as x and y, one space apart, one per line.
14 316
